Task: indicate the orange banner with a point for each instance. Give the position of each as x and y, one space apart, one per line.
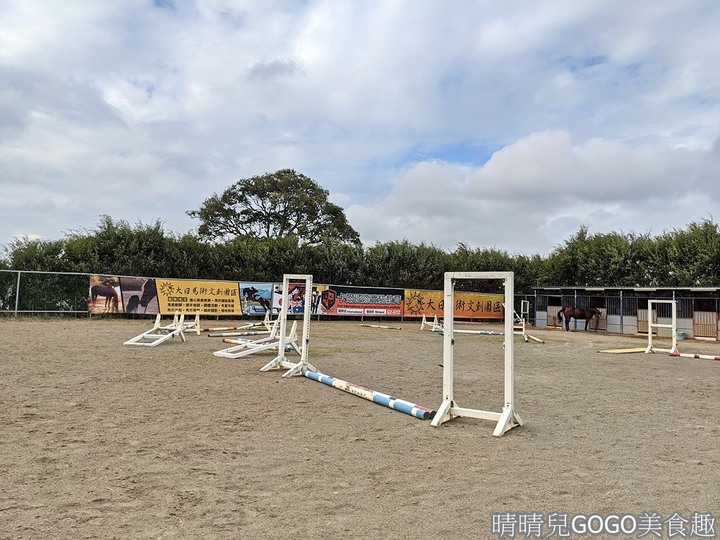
468 305
204 297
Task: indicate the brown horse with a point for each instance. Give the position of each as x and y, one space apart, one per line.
107 292
149 291
579 313
251 294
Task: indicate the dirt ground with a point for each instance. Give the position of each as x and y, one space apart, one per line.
102 440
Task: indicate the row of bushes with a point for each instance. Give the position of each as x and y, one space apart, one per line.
685 258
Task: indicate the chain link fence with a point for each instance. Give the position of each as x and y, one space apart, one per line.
43 293
26 292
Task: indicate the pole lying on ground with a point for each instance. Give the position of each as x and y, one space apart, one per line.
381 326
423 413
692 355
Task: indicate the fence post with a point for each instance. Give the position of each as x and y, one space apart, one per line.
17 294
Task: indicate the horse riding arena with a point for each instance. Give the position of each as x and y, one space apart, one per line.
98 440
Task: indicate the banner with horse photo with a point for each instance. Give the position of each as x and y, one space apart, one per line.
139 296
256 297
360 301
196 296
104 295
468 305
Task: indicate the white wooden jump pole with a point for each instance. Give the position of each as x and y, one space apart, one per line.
508 418
279 361
672 326
244 330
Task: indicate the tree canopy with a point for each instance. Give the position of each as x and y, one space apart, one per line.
274 205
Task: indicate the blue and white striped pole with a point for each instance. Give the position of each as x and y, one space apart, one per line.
423 413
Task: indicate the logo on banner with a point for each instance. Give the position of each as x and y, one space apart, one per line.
328 298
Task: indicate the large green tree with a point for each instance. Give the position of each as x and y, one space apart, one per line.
274 205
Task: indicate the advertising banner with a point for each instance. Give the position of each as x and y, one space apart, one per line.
427 303
195 296
359 301
104 295
139 296
468 305
256 297
318 289
296 298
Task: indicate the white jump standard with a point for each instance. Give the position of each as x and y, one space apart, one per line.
507 418
160 333
673 350
247 346
434 325
279 361
672 326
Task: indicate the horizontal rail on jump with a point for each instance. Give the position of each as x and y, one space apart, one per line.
481 332
239 334
247 326
418 411
229 328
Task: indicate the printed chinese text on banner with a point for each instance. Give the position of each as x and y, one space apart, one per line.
359 301
468 305
204 297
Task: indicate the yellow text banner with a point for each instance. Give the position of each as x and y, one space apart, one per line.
468 305
194 296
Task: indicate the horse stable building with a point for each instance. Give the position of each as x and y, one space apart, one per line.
625 309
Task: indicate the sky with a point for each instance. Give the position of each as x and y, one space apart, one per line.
501 125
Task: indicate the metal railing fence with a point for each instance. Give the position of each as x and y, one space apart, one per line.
36 293
32 292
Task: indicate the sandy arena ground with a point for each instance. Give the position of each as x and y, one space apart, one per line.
101 440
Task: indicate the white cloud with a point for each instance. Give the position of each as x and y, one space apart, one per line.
540 189
598 112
